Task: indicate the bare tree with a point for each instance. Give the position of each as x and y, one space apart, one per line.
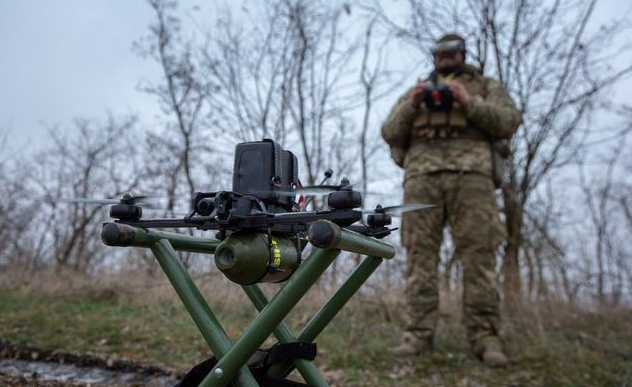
602 193
286 71
181 151
16 212
286 77
99 161
377 81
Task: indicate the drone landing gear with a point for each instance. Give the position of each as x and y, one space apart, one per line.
328 240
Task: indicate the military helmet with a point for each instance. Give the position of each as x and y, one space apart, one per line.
448 42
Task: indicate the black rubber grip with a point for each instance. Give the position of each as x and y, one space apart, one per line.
114 234
324 234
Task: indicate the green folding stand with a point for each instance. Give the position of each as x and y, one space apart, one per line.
328 241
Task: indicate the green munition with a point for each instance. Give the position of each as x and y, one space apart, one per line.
249 257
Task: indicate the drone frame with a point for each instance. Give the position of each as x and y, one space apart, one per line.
328 240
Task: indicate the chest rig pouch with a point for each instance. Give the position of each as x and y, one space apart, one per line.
451 122
432 125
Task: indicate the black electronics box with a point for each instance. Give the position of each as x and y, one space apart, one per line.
262 167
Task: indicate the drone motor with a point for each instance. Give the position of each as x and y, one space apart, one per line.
126 212
379 220
345 199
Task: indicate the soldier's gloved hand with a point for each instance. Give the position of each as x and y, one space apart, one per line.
461 95
418 94
398 156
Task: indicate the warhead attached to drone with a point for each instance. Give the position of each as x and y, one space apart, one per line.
262 229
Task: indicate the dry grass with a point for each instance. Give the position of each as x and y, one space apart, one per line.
137 315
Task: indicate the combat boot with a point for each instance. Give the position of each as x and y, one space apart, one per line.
491 352
412 346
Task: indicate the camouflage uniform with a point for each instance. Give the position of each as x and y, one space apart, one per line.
448 162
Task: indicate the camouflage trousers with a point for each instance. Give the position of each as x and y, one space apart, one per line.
465 202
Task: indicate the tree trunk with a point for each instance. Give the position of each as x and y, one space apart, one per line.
512 286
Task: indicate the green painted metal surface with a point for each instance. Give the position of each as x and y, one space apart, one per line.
307 369
233 357
361 244
271 316
147 238
244 258
204 319
331 308
328 311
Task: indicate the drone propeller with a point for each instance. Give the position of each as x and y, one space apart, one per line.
127 198
314 190
90 201
398 210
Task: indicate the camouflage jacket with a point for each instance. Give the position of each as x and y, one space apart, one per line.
423 142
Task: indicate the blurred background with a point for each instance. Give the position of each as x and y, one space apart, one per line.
103 97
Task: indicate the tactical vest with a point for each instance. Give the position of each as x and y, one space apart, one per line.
473 150
430 125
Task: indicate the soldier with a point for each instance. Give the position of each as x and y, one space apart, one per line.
447 157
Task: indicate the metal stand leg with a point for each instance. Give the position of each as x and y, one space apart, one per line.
202 315
270 317
331 308
308 371
328 239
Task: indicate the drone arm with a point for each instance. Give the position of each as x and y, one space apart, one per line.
160 223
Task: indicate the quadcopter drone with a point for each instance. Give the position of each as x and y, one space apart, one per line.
261 210
262 227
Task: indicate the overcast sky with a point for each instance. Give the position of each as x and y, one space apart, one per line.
73 58
63 59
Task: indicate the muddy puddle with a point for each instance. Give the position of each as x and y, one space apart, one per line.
23 365
49 371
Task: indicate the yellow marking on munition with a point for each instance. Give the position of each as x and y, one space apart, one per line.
277 253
